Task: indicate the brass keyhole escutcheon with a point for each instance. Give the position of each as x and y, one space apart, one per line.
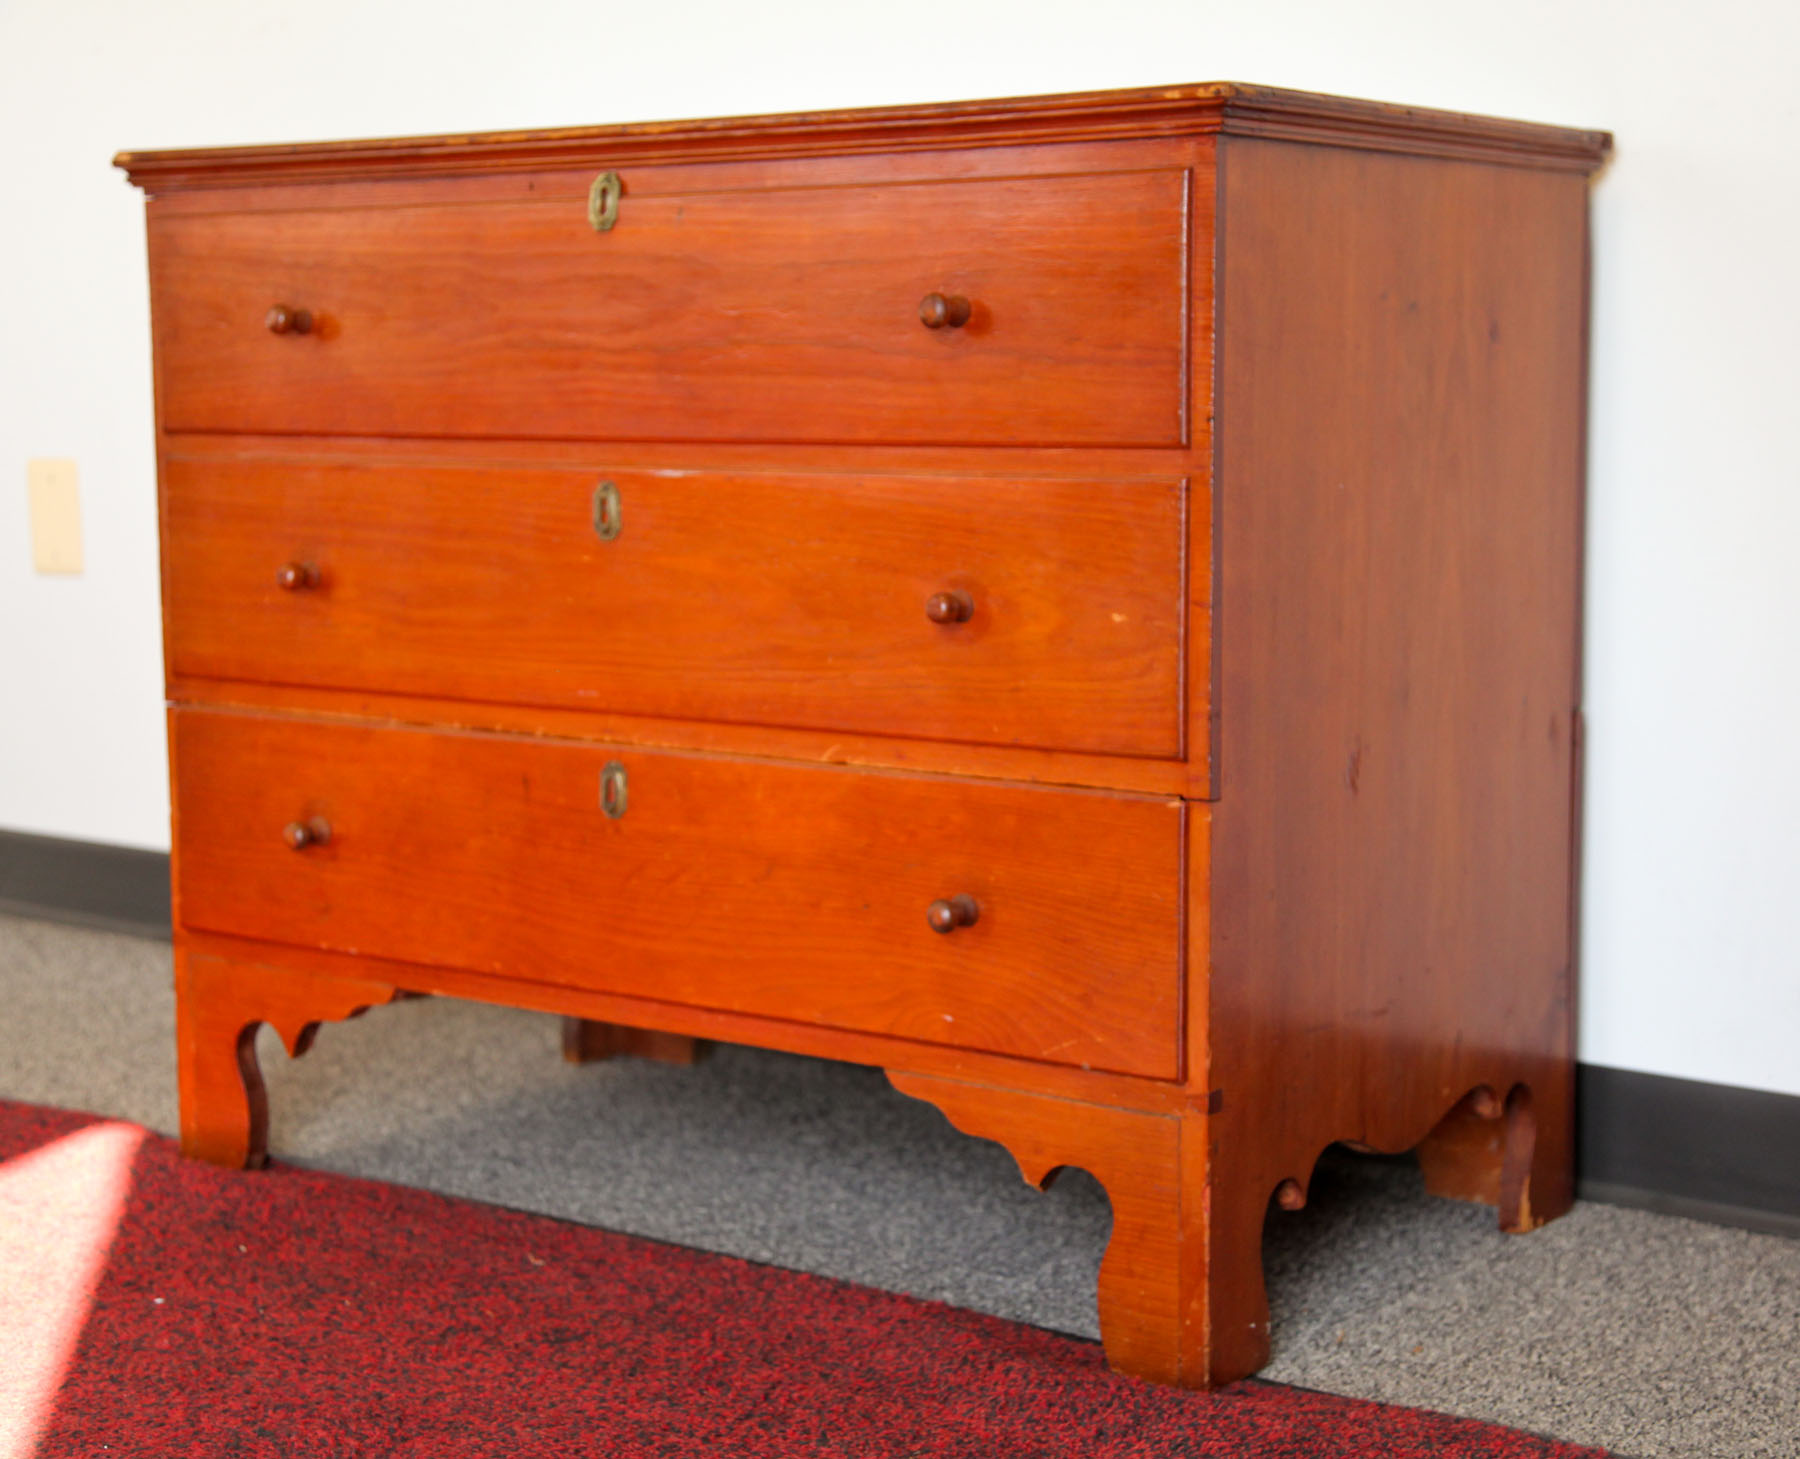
614 790
603 201
607 519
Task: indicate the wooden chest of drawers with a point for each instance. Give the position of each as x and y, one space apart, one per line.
1073 601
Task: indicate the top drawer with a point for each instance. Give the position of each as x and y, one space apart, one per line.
750 314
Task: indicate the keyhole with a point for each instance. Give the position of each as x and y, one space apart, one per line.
613 790
607 514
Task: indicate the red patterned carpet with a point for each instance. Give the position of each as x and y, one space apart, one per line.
152 1306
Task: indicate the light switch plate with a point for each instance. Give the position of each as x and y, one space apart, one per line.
55 515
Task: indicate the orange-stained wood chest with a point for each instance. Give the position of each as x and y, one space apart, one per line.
1074 601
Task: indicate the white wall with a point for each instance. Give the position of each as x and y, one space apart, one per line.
1694 789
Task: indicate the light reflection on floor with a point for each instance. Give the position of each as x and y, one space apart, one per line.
59 1207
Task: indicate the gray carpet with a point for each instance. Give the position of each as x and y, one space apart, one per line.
1647 1334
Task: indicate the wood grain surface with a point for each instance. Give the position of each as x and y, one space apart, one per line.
762 599
1400 475
742 313
219 1005
1209 108
815 747
588 1041
1155 1318
789 892
262 960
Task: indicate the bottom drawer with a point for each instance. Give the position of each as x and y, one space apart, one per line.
792 892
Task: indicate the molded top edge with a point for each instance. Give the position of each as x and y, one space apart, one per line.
1218 107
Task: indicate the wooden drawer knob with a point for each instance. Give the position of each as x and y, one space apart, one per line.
957 911
294 576
940 311
949 607
301 834
284 319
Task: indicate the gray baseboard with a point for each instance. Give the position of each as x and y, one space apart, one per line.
110 887
1709 1151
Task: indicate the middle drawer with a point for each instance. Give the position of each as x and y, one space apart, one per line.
1041 613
